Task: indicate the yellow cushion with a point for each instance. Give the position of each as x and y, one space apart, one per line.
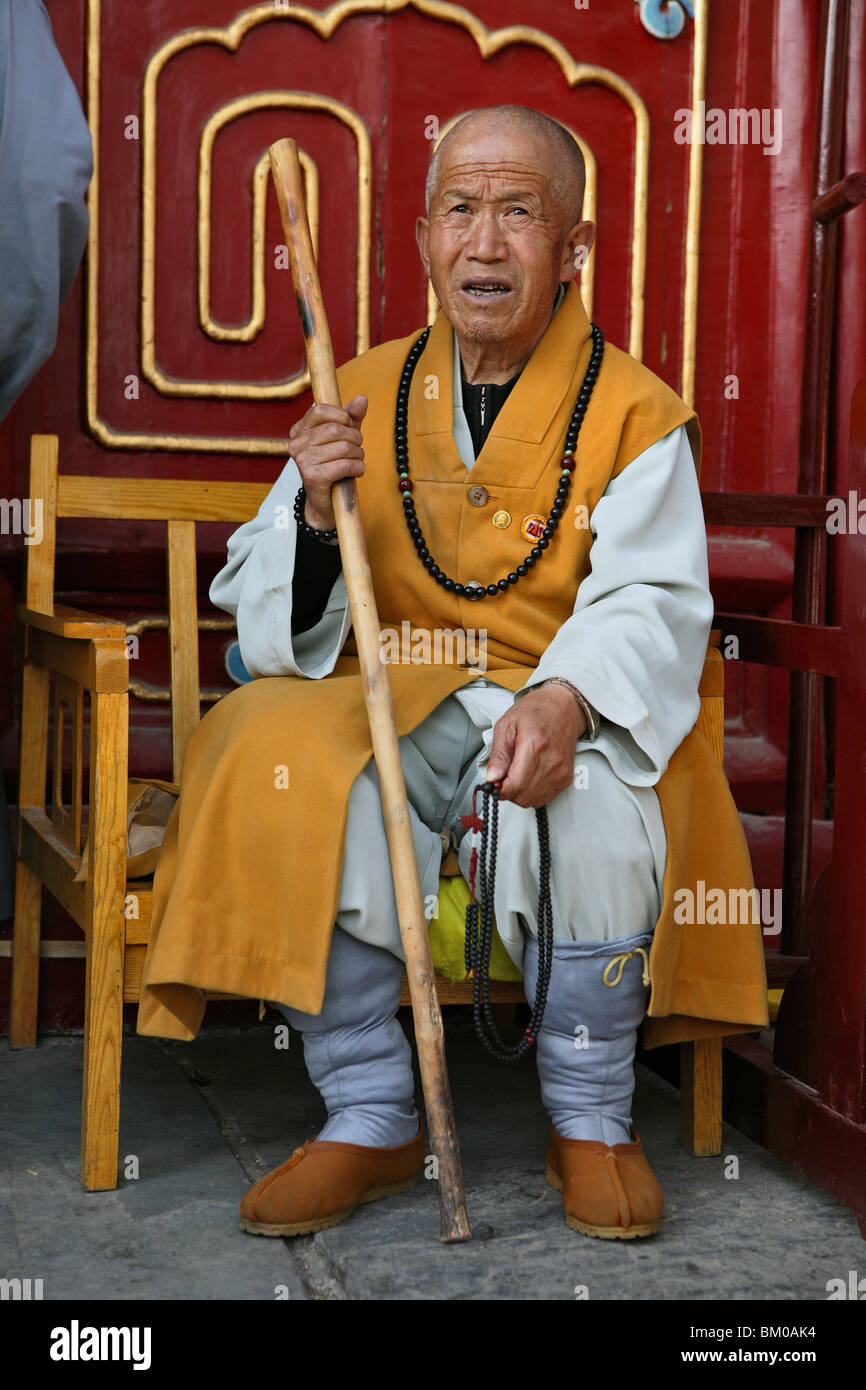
448 934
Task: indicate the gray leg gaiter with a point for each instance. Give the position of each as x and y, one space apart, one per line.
587 1038
356 1053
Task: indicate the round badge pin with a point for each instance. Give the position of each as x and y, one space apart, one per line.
532 527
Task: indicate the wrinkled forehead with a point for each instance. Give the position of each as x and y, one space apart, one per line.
506 160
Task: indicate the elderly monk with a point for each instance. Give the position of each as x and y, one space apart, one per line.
519 476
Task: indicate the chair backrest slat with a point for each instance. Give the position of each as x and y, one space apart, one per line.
158 499
183 638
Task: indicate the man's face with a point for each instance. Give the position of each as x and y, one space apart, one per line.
497 242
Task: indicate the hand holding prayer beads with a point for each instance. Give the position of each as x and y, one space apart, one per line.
534 742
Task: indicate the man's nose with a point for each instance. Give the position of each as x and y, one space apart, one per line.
487 241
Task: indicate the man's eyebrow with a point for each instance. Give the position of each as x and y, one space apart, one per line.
516 195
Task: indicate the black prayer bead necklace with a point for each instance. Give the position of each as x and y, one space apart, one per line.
406 486
480 925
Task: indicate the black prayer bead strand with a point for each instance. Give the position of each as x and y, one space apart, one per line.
480 927
487 883
401 443
303 525
544 919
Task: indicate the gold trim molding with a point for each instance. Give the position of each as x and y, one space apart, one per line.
693 212
299 381
488 42
161 694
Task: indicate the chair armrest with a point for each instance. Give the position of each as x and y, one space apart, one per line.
71 622
712 680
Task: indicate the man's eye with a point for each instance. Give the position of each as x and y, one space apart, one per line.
460 207
519 208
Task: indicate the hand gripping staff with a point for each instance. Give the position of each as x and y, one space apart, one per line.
286 171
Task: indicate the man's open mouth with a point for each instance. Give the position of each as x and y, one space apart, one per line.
486 289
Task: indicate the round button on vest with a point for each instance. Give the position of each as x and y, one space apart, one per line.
478 496
501 520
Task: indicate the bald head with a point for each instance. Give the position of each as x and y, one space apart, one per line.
567 169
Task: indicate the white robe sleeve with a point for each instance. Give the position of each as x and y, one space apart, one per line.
255 586
636 641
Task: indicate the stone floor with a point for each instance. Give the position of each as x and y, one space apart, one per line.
201 1121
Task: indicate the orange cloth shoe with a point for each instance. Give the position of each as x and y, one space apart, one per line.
607 1191
323 1182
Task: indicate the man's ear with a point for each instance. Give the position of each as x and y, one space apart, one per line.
578 244
422 236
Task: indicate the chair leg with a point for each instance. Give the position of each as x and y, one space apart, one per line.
701 1096
103 1042
25 957
103 1000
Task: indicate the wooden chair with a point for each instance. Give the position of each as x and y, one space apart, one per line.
69 653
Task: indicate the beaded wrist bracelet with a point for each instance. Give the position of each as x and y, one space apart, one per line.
329 537
590 713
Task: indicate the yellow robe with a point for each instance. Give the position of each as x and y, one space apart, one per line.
245 892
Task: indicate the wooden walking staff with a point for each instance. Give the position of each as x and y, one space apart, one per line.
286 170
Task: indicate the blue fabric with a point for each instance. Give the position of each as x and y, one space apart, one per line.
46 162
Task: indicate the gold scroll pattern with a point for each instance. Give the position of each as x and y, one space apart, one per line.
299 382
324 23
